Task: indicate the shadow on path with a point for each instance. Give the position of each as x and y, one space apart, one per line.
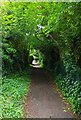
43 101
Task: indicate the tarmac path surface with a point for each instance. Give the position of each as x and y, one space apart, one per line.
43 99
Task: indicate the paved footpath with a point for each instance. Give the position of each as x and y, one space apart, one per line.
43 99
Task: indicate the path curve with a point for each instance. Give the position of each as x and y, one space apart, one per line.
43 100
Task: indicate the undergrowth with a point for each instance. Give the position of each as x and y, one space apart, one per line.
70 88
14 89
72 91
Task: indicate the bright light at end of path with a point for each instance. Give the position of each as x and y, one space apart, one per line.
36 64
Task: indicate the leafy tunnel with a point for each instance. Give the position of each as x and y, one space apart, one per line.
54 30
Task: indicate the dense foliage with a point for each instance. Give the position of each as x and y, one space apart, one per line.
52 28
15 88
